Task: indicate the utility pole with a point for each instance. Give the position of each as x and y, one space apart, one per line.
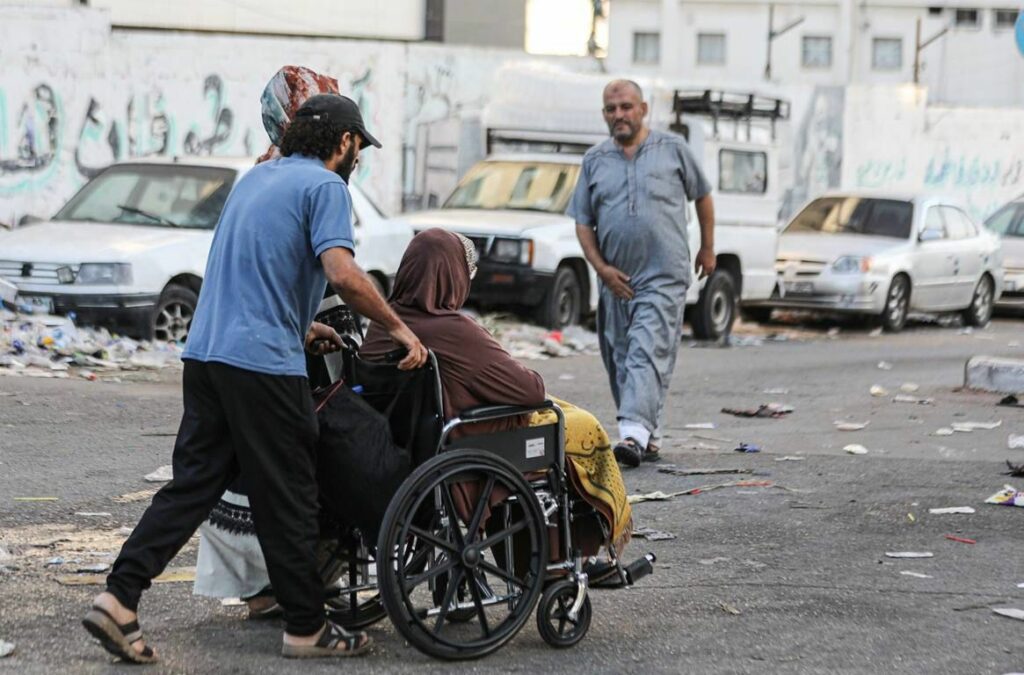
919 47
772 34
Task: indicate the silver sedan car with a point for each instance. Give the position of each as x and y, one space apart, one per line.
1008 223
887 255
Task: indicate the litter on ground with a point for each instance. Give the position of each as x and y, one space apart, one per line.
968 427
1016 470
951 510
1015 442
850 426
944 431
1008 496
909 387
906 398
855 449
701 425
909 554
918 575
1010 612
650 534
659 496
729 609
962 540
878 391
790 458
161 475
884 365
6 649
747 448
772 410
671 469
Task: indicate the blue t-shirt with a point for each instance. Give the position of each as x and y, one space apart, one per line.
264 280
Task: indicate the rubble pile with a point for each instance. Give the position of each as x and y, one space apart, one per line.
52 346
533 343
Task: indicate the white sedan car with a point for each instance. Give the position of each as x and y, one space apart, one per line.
1008 223
888 255
129 250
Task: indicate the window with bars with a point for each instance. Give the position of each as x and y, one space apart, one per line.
646 48
816 51
1006 18
711 49
967 18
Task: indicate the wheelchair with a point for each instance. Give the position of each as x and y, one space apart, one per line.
479 535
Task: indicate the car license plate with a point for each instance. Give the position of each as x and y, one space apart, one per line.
34 304
799 287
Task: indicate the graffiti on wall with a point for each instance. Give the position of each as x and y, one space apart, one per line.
818 148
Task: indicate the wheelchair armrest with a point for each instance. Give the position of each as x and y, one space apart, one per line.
489 412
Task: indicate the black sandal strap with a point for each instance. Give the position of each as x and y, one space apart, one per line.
334 635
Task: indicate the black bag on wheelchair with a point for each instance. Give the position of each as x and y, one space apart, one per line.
359 465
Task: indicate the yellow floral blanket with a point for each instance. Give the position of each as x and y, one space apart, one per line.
589 451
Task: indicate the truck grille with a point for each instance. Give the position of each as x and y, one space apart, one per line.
41 273
804 267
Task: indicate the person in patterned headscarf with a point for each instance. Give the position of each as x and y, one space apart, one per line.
430 288
287 90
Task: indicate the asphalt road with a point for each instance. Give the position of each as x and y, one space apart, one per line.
802 561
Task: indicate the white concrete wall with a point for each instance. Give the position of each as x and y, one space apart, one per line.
968 66
75 96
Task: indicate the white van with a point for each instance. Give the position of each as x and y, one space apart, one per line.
512 205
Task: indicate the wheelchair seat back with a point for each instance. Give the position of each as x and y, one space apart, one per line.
410 399
528 449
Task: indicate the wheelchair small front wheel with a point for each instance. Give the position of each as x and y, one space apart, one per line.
553 615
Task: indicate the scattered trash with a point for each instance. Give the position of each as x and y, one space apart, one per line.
651 534
855 449
904 398
232 602
701 425
92 514
1021 585
833 331
951 510
525 341
6 649
93 569
778 391
729 609
124 531
968 427
909 554
773 410
1015 442
1008 496
1011 401
850 426
36 499
1016 470
161 475
1010 613
671 469
659 496
565 377
944 431
170 575
911 518
134 496
878 391
962 540
53 562
884 365
747 448
917 575
909 387
877 332
790 458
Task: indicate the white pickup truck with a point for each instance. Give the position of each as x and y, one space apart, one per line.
512 205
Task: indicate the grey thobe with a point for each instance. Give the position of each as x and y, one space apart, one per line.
637 208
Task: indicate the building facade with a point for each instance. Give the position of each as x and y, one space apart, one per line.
973 59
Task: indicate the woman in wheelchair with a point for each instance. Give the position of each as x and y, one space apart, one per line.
431 286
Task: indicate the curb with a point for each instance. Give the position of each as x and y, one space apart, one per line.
995 374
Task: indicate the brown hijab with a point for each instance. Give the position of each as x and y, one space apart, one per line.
431 286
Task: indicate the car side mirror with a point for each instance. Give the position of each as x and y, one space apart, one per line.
929 235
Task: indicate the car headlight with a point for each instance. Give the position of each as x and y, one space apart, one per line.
512 251
104 274
849 264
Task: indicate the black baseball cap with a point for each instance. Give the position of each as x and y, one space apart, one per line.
337 109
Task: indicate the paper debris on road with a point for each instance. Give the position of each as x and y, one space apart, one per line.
909 387
170 575
909 554
747 448
968 427
884 365
944 431
161 475
951 509
36 499
906 398
1010 612
1015 442
1016 470
701 425
842 425
134 496
878 391
772 410
650 534
232 602
6 649
729 609
93 569
917 575
671 469
1010 401
93 514
790 458
962 540
659 496
855 449
1008 496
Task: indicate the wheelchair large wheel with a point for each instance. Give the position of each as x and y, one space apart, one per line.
476 528
554 621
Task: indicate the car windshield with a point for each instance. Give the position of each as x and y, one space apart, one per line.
519 186
160 195
855 215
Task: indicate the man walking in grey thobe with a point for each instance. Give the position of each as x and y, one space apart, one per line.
630 211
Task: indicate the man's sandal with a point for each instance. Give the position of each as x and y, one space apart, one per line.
356 644
628 452
117 638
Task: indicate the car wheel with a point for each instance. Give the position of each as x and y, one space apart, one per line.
756 314
897 305
173 315
715 311
980 311
563 303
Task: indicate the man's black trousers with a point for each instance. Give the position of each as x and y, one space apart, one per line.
262 427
